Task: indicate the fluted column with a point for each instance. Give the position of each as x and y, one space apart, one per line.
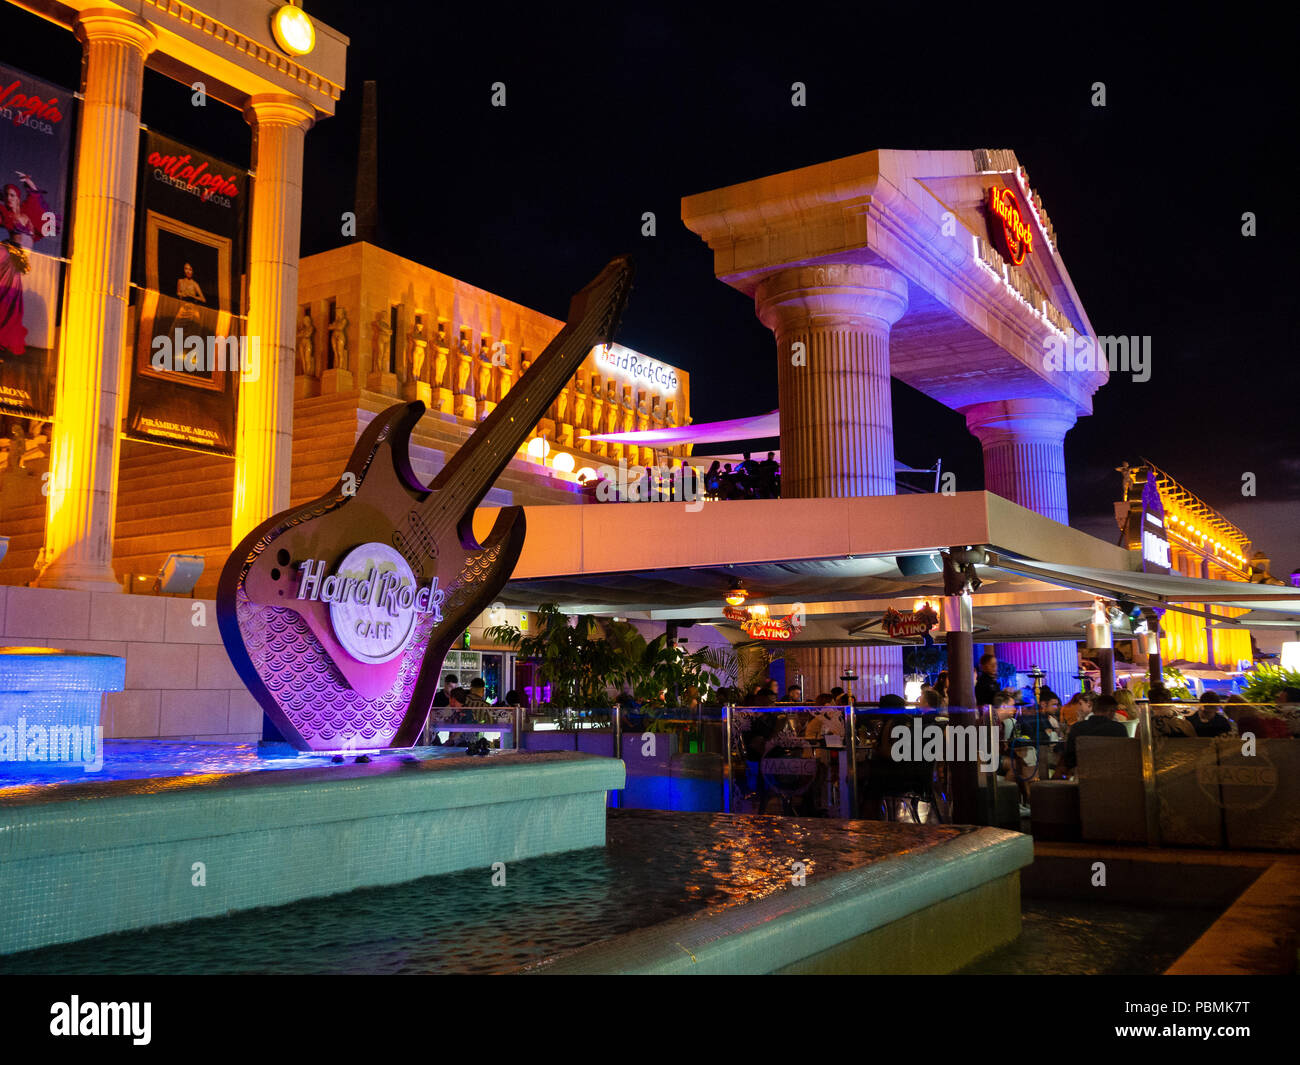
1024 451
837 426
832 326
264 441
1024 461
88 395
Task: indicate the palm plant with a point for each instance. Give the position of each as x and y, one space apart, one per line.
1267 679
576 659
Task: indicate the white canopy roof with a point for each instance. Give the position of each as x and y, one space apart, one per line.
1156 588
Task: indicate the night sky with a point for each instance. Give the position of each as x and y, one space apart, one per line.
617 112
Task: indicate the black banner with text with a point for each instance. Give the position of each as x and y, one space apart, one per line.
191 346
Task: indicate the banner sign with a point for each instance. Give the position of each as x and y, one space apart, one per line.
36 135
910 622
759 626
191 348
1155 537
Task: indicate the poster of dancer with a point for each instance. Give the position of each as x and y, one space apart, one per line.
36 141
191 347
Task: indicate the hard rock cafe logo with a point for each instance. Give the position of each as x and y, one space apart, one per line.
1017 237
373 598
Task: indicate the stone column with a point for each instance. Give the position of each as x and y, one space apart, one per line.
837 427
88 396
264 443
1024 461
1024 451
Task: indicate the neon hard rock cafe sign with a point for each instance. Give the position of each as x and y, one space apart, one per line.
1017 237
373 599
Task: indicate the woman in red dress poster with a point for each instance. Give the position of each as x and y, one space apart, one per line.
21 216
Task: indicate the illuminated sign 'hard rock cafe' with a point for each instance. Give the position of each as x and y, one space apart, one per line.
1016 236
373 600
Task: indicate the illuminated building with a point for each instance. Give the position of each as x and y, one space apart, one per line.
415 333
1204 544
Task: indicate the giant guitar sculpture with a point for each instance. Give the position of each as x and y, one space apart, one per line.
338 613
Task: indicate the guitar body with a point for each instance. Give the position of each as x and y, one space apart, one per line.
338 614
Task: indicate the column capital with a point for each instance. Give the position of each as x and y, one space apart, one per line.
1030 419
279 109
831 294
112 25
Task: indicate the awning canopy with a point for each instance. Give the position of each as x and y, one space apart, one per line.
1154 588
758 427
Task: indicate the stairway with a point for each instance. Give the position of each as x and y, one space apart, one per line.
173 500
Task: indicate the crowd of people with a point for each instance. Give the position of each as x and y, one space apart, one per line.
750 479
454 705
1039 734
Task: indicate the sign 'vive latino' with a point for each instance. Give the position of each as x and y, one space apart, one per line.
1017 238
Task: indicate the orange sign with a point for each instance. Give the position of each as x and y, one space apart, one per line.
1017 237
910 622
770 629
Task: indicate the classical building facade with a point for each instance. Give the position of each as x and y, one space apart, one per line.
383 328
939 268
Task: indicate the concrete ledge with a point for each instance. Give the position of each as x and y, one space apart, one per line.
88 859
1258 935
820 927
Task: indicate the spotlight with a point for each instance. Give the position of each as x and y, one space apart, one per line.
292 29
179 574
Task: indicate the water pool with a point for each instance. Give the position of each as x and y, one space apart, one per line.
141 759
656 866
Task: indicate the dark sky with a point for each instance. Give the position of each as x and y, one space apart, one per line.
616 112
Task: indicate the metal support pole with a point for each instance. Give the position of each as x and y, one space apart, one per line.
852 714
617 715
963 776
1105 659
1146 740
726 761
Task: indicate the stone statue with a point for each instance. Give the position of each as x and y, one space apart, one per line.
440 362
339 339
306 344
417 345
381 331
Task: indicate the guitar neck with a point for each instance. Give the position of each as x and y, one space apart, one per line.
593 317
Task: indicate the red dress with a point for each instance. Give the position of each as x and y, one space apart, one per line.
24 231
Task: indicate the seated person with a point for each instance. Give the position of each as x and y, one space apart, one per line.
1165 719
1127 705
1288 708
1208 722
1043 725
1101 722
794 694
1262 726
